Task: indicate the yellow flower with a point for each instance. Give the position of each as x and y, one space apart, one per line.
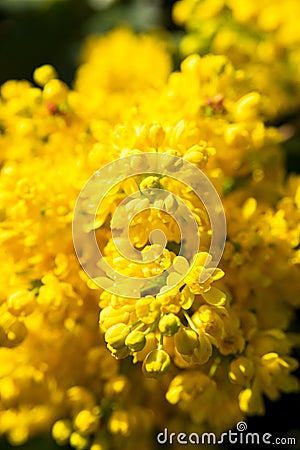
260 38
214 344
61 431
119 423
148 309
186 340
44 74
193 279
193 392
241 370
86 422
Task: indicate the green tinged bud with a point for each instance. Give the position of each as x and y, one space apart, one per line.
169 324
150 182
115 336
186 340
135 341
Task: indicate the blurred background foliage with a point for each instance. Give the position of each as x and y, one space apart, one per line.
36 32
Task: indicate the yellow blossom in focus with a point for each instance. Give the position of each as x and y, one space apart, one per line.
78 359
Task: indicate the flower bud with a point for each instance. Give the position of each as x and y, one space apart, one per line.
119 423
182 11
78 441
55 91
157 362
9 392
135 341
194 155
186 340
156 135
18 435
86 422
246 107
151 182
169 324
61 431
115 336
13 89
44 74
110 317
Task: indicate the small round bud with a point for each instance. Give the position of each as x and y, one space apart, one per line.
195 155
86 422
169 324
18 435
119 423
44 74
55 91
186 340
78 441
115 336
247 107
135 341
61 431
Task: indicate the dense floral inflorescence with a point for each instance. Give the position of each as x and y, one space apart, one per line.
221 344
262 37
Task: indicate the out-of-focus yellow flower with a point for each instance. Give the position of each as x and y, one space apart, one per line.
262 38
193 392
44 74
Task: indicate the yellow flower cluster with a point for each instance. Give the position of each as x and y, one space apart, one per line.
215 345
262 37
